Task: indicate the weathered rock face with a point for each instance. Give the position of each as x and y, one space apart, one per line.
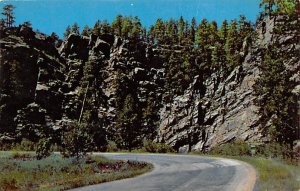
225 111
208 113
30 71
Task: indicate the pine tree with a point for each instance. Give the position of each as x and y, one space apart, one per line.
117 25
8 13
213 33
97 28
128 126
171 32
67 32
204 46
126 27
181 28
136 32
276 100
150 117
232 47
75 29
159 31
193 31
86 31
106 28
223 32
202 34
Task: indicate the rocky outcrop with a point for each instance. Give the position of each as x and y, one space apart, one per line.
225 111
210 112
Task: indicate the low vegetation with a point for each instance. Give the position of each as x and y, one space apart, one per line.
152 147
275 175
22 171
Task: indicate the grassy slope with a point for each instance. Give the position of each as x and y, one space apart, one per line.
22 172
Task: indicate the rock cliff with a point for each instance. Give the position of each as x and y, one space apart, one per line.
47 91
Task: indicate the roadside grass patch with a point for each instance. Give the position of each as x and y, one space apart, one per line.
24 172
274 174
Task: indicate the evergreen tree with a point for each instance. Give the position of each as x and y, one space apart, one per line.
204 46
75 29
159 31
171 32
105 27
232 47
244 28
181 27
128 126
193 30
213 33
144 33
276 100
202 34
137 31
150 117
76 141
126 27
223 32
67 32
97 28
86 31
8 13
117 25
151 34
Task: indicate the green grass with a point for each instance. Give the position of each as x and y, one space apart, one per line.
274 175
24 172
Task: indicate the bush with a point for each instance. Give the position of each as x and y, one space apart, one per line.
111 146
76 141
276 150
238 148
21 156
43 148
152 147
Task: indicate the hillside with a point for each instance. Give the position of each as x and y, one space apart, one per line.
106 80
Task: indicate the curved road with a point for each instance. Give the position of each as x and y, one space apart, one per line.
182 173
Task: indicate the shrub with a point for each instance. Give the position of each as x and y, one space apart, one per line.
43 148
238 148
152 147
276 150
21 156
76 141
27 145
111 146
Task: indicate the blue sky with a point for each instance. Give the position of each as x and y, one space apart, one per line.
54 15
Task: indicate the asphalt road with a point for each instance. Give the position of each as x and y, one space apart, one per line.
183 173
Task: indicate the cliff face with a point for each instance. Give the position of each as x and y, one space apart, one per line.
225 111
47 88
